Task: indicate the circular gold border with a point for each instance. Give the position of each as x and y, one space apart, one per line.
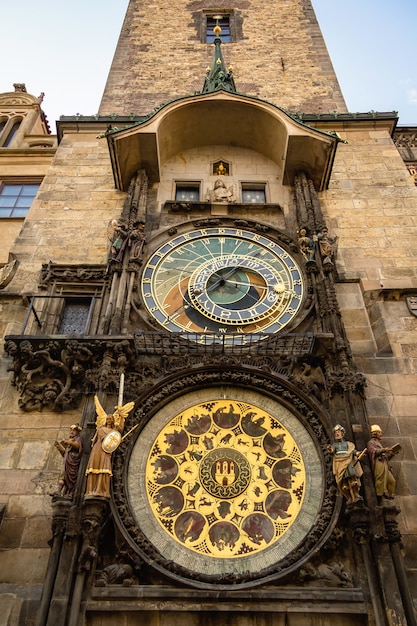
180 554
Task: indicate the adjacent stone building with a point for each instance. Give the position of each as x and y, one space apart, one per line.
224 261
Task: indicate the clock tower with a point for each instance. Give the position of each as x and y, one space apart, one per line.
217 298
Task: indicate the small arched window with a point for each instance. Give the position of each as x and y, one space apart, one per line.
11 134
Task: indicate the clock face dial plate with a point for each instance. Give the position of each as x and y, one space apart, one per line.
225 479
225 485
222 280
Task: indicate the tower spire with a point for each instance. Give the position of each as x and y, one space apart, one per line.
218 77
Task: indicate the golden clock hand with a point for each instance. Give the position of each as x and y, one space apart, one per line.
224 277
257 285
278 288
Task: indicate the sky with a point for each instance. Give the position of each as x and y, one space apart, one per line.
65 49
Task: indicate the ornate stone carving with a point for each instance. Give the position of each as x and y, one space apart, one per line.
116 574
325 575
127 233
127 243
55 374
220 193
17 98
62 273
359 521
60 512
309 376
405 138
392 532
93 511
7 272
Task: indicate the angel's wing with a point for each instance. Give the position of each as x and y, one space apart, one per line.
122 411
101 413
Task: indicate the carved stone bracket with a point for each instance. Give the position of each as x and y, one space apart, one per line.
60 515
92 517
359 521
55 374
342 381
52 272
389 513
332 574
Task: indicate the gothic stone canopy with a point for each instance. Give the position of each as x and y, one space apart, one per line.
222 118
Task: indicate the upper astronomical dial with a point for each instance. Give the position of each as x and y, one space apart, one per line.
224 280
236 289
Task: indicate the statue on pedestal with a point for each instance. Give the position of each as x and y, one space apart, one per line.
346 467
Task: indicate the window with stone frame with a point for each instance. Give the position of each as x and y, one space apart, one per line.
230 21
10 131
253 193
16 198
187 191
76 315
69 302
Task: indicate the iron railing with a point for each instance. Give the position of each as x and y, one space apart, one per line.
233 343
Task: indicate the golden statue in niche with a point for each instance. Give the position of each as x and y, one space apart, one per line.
221 168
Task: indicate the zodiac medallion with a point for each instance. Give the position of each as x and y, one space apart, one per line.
225 479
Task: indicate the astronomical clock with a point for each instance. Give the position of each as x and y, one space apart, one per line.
225 479
222 280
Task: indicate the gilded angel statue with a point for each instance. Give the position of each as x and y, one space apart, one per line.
105 441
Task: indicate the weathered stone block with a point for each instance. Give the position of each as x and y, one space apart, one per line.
11 533
33 455
23 566
36 533
8 453
409 507
29 506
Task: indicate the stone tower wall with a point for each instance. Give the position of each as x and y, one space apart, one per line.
278 54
